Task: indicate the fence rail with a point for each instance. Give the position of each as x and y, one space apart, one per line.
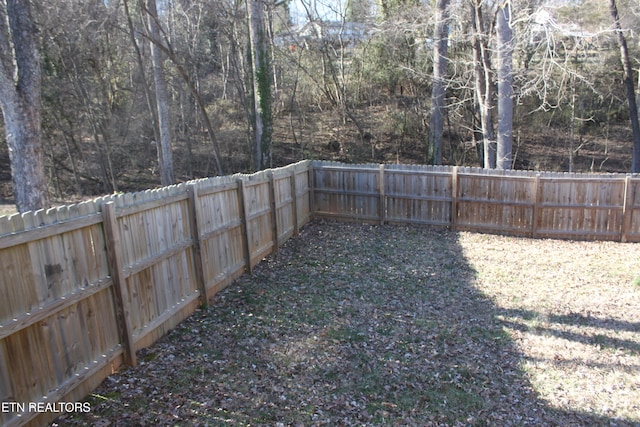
85 286
527 203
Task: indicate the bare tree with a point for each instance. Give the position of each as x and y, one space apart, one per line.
164 44
140 62
483 81
20 80
165 155
504 35
628 81
262 111
440 62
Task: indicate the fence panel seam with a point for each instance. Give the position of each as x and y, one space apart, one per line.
195 219
274 211
245 225
112 241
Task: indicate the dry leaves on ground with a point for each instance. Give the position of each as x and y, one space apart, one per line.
377 325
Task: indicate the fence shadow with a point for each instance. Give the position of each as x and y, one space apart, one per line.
347 325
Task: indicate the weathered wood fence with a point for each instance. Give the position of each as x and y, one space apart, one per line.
527 203
83 287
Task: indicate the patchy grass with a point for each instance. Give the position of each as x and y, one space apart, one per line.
366 325
572 310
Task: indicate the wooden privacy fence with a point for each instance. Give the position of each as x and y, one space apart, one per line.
527 203
85 286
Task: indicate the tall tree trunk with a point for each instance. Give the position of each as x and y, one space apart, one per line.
440 62
262 111
20 80
483 84
165 155
168 50
504 156
272 51
628 81
143 77
638 95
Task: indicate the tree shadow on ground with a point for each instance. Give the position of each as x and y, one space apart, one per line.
553 325
346 325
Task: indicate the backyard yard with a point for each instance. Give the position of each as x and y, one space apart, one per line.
353 324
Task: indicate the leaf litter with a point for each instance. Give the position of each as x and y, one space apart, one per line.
360 325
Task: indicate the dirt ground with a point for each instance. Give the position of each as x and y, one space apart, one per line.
364 325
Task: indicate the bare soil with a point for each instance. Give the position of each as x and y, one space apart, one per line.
364 325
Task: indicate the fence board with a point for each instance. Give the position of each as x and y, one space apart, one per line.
583 208
123 312
6 394
260 235
350 192
421 196
303 189
195 217
222 236
630 231
294 204
495 202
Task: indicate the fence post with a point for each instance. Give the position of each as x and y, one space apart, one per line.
245 225
112 240
454 197
274 212
294 206
382 201
312 192
537 195
627 210
195 219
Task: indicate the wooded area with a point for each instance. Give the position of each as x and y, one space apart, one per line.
138 94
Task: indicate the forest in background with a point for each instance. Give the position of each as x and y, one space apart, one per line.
350 81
